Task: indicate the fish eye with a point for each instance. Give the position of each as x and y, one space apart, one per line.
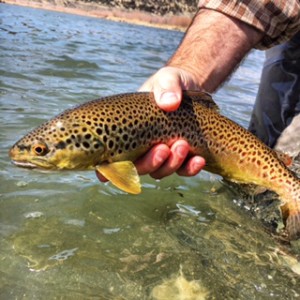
40 149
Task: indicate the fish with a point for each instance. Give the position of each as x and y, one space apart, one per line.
110 133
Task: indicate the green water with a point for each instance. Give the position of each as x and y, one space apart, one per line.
64 235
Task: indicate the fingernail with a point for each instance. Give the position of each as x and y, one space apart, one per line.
198 164
160 157
181 151
168 98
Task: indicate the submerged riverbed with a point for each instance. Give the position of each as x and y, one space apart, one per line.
64 235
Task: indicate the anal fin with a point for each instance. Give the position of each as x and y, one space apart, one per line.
122 174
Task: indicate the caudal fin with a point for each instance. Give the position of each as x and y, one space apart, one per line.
293 225
290 209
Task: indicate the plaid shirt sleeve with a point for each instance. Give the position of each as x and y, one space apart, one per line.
278 19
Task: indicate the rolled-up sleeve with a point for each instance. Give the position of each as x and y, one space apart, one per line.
279 20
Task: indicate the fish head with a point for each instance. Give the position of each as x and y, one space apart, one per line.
30 155
58 144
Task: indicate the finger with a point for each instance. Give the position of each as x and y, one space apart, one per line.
147 86
166 85
153 159
179 152
168 101
192 167
167 89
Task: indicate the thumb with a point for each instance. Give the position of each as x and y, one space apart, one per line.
167 89
168 100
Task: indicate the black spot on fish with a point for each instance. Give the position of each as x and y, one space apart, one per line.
127 146
23 147
60 145
110 144
98 144
106 129
86 145
99 131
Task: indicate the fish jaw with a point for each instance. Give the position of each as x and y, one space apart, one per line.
24 164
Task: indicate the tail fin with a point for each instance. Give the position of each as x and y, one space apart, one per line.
293 226
291 214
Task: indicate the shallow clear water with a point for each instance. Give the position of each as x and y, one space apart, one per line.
66 236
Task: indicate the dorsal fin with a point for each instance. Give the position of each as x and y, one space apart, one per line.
203 98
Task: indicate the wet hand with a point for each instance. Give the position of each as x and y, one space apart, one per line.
167 85
162 160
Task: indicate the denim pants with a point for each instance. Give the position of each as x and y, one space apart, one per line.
278 98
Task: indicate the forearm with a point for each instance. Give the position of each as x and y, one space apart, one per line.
212 47
278 20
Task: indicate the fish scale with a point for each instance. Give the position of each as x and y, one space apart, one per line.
110 133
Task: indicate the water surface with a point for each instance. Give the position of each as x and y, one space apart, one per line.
66 236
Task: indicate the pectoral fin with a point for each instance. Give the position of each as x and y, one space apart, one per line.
123 175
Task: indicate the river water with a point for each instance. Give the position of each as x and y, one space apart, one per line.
64 235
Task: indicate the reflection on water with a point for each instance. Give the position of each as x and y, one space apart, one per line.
65 235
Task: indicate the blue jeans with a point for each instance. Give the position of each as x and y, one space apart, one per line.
278 98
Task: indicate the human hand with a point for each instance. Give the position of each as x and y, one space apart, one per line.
163 160
167 85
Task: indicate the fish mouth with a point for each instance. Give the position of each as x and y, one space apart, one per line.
24 164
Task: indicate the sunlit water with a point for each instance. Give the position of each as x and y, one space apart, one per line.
66 236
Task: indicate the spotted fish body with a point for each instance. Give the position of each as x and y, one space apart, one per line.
109 133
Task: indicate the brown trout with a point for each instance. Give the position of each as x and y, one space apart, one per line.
108 134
